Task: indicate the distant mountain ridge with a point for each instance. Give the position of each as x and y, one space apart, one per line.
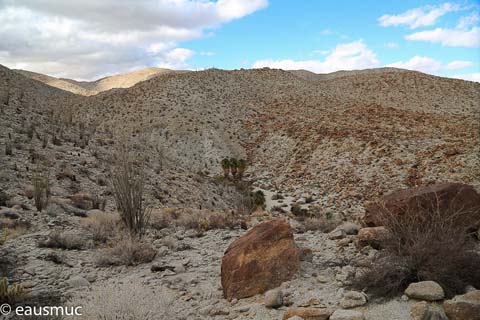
89 88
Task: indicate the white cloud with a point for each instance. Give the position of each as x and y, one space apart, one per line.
459 64
449 37
88 38
391 45
418 17
349 56
468 21
430 65
469 76
418 63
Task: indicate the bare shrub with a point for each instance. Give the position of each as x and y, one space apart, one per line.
102 225
426 244
316 218
68 240
41 186
130 300
128 182
128 251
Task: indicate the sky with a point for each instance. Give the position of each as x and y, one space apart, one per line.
89 39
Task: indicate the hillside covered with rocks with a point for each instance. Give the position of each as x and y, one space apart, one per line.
294 232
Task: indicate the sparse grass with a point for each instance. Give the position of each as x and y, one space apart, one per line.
103 226
423 245
201 220
131 300
11 294
11 229
128 251
316 218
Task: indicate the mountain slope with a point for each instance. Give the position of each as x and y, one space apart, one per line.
88 88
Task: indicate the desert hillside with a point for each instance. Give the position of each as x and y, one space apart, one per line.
318 151
88 88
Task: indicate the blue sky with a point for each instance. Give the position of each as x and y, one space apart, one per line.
88 39
310 30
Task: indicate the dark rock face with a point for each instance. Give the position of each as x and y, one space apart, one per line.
445 197
260 260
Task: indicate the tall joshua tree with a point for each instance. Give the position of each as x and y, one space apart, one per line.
242 166
234 167
225 167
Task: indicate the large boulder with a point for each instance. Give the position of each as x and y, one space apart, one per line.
260 260
445 197
463 307
425 290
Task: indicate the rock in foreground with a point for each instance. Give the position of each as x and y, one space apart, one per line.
463 307
260 260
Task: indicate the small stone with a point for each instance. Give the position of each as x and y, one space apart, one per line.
425 290
342 314
337 234
77 282
274 298
308 313
350 228
353 299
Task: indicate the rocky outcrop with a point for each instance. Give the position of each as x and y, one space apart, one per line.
463 307
261 259
445 197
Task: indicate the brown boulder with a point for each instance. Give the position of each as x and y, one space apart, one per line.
308 313
371 237
260 260
445 197
463 307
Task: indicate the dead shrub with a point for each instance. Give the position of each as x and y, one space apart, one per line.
423 245
128 182
317 219
41 186
128 251
67 240
102 225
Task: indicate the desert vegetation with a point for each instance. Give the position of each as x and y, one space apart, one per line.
424 244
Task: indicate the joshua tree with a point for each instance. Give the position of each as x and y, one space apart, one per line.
226 167
234 167
242 166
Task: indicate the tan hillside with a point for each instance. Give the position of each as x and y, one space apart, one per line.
88 88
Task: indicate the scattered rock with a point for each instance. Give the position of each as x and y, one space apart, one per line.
463 307
427 311
274 298
308 313
261 259
353 299
425 290
372 236
77 282
337 234
342 314
350 228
